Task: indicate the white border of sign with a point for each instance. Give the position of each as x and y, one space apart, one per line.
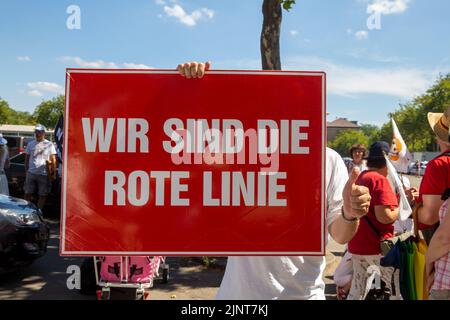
202 253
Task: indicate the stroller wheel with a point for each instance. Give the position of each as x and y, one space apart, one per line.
106 294
140 294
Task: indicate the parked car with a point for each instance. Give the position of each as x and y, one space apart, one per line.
17 144
16 179
24 234
412 169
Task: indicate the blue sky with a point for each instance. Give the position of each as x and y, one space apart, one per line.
369 71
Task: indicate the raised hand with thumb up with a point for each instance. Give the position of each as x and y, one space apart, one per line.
356 198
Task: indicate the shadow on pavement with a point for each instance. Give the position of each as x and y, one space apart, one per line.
45 279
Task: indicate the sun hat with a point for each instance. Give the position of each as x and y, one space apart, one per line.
439 123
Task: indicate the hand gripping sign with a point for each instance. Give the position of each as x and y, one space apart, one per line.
156 164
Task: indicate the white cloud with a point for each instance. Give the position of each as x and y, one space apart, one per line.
89 64
362 35
163 2
79 62
24 58
371 55
207 12
293 32
130 65
38 87
350 81
35 93
344 80
188 19
387 6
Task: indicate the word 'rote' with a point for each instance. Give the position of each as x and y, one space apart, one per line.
198 141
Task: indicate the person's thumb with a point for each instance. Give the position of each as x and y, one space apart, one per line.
207 65
354 176
351 182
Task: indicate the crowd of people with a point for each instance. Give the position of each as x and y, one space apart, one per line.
362 209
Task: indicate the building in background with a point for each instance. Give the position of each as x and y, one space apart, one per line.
339 125
23 131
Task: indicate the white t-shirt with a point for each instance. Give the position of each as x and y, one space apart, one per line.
39 153
264 278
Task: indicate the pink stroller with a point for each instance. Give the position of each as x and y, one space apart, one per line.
128 277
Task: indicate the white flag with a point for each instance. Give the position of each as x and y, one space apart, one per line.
399 154
397 186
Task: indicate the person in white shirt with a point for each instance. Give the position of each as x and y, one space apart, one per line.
4 163
40 166
295 277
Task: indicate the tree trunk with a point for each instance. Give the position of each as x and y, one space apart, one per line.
270 35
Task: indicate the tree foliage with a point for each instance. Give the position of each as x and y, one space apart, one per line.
345 139
287 4
48 112
10 116
371 131
411 119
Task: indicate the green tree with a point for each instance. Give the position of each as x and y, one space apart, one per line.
411 118
371 131
5 111
48 112
270 33
10 116
345 139
385 133
23 118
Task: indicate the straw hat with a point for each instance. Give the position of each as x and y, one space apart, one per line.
439 122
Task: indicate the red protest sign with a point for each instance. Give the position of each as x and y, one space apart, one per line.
156 164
